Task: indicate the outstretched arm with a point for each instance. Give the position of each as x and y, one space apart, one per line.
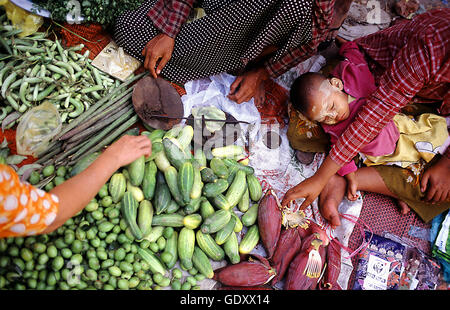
75 193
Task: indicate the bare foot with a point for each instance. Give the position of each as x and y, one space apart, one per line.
404 208
330 198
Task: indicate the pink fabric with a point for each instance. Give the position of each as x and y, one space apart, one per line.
408 60
359 83
354 71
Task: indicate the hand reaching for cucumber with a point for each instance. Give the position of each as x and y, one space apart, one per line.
69 197
75 193
127 149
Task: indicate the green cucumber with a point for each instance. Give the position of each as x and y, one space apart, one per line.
156 135
221 202
175 154
201 263
223 234
136 171
249 218
192 221
129 209
237 189
117 186
250 240
238 226
216 221
149 180
227 151
172 248
186 180
193 205
231 249
206 209
171 220
162 194
136 191
233 163
200 158
218 166
153 262
172 207
215 188
145 216
161 161
185 136
171 176
208 175
254 187
186 244
197 187
209 246
244 203
155 233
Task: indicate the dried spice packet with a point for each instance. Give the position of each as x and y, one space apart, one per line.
380 264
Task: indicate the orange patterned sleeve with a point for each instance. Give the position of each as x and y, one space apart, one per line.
24 209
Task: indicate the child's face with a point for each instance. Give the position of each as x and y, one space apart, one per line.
330 103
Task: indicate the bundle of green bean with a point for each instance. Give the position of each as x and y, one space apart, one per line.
36 68
80 140
92 250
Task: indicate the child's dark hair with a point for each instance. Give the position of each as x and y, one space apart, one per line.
302 90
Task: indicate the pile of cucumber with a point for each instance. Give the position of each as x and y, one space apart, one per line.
139 232
198 198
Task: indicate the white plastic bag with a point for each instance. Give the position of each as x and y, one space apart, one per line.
213 91
37 127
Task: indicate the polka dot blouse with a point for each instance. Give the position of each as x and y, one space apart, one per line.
24 209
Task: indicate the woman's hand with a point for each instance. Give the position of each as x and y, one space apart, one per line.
249 85
159 49
75 193
127 149
436 181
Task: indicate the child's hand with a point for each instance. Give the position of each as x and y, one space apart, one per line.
308 189
127 149
352 186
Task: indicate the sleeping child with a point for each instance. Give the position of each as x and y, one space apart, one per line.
334 103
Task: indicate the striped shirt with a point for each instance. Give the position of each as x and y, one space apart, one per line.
408 60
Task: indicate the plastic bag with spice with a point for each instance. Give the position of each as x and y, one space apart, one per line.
380 264
37 127
29 23
113 60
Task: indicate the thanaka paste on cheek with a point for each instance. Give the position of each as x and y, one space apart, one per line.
326 89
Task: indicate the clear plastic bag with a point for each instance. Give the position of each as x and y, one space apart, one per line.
28 22
37 127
